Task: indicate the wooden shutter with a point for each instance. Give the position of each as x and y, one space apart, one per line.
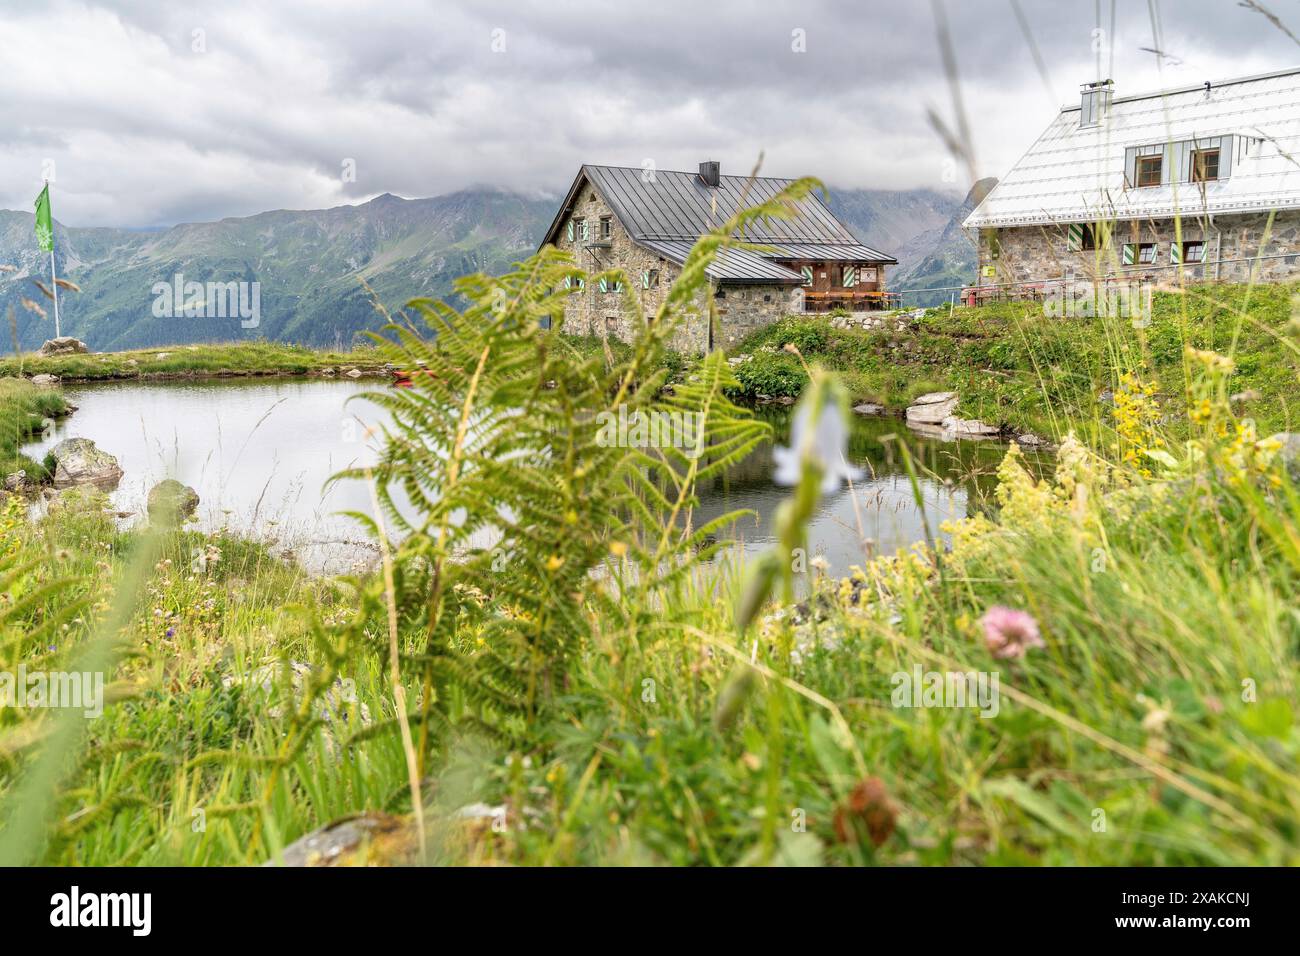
807 273
1130 253
1130 166
850 277
1074 237
569 230
1175 253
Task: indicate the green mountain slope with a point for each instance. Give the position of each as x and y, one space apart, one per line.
308 264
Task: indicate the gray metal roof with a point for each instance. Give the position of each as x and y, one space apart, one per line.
729 265
668 210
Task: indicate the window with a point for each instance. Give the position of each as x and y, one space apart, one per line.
1148 170
1205 165
1139 253
1194 251
578 229
1088 242
606 227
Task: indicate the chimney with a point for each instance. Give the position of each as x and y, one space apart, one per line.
1096 102
711 173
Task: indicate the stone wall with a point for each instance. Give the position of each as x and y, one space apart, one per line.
741 309
589 311
1035 253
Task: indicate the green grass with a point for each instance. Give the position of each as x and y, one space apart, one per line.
24 408
1156 725
180 361
1014 365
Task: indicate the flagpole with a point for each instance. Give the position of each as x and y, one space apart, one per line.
54 280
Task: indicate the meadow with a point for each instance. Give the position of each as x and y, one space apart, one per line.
602 687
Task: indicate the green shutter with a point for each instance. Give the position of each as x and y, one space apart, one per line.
586 232
1175 254
1074 237
850 277
645 279
1130 253
568 282
603 287
570 230
806 271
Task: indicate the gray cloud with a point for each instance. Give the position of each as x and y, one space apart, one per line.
428 96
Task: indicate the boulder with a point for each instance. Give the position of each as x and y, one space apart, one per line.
17 481
45 380
79 462
869 408
170 502
370 839
63 345
932 408
1289 453
354 373
1030 440
970 427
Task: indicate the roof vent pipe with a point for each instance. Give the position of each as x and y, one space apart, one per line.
711 173
1096 102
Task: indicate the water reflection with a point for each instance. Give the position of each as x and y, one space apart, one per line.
259 454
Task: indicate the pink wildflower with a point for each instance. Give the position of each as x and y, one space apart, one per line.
1009 633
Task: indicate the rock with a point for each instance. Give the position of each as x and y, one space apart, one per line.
366 840
969 427
328 371
162 355
63 345
932 408
785 400
1030 440
170 502
1249 395
869 408
79 462
16 481
1289 453
354 373
45 380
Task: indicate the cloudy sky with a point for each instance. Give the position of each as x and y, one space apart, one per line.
152 112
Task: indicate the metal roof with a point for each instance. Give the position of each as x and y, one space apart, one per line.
1077 175
729 265
667 211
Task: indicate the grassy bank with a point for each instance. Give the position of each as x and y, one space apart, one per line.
24 409
1014 365
182 361
600 686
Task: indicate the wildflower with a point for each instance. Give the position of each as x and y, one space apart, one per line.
827 446
1010 633
171 632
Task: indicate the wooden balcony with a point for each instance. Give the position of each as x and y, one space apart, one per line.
854 300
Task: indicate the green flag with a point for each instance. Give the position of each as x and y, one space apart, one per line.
44 223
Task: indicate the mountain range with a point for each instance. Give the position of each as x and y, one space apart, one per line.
310 265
